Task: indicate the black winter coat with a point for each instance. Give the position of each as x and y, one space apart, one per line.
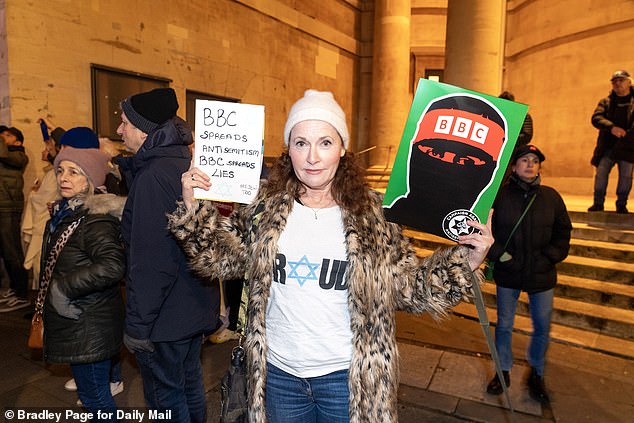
621 148
13 161
541 241
88 270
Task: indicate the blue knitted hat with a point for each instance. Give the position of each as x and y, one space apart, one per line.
80 137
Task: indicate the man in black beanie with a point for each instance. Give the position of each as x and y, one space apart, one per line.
168 309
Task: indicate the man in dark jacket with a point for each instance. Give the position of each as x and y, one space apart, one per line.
13 161
526 132
525 259
168 309
614 119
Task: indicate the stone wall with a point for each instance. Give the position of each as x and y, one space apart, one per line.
559 58
259 52
4 68
427 36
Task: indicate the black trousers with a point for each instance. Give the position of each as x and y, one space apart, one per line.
233 295
11 252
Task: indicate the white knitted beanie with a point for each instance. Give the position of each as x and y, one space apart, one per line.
317 105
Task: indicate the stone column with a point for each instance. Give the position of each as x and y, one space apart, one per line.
390 79
474 50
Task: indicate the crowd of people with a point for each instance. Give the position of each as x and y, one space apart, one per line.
99 224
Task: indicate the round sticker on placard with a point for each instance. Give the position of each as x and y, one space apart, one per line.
455 223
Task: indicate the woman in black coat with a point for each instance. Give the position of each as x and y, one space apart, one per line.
83 308
525 260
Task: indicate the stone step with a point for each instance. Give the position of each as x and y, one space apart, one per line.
599 269
616 251
377 182
606 234
559 333
582 289
603 219
611 321
585 304
595 292
584 266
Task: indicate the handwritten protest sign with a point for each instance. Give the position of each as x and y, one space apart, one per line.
451 159
228 148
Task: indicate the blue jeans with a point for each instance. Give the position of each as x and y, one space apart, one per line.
623 186
173 379
541 309
322 399
93 388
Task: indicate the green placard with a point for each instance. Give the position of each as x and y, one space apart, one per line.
451 159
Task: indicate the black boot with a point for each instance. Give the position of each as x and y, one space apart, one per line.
536 387
595 208
495 387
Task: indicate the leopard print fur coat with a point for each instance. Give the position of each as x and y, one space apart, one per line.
383 275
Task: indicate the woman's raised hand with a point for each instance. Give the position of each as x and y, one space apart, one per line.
480 241
193 178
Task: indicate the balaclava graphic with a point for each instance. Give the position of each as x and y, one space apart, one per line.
458 139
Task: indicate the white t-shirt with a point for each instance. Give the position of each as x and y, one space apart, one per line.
307 319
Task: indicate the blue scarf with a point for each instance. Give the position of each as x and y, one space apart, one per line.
62 209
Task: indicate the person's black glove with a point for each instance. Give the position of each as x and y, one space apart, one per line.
62 304
137 345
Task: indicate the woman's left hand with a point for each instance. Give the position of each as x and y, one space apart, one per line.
62 304
480 241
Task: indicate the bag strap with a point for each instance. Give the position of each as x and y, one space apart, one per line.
530 203
50 264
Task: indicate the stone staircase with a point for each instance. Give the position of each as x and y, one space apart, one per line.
594 297
378 177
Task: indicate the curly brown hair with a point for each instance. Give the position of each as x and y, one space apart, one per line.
349 187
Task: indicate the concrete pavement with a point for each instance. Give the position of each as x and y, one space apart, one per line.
444 371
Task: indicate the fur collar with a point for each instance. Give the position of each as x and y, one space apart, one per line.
106 204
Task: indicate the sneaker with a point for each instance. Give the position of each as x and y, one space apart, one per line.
70 385
115 389
622 210
595 208
7 295
223 336
495 387
536 387
14 303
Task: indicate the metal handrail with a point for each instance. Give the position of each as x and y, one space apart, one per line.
366 150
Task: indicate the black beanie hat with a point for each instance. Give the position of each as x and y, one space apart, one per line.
148 110
57 134
16 133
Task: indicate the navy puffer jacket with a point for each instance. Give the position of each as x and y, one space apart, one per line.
164 301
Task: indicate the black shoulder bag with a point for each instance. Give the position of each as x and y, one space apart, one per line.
233 388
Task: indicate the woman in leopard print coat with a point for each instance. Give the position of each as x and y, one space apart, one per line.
379 271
